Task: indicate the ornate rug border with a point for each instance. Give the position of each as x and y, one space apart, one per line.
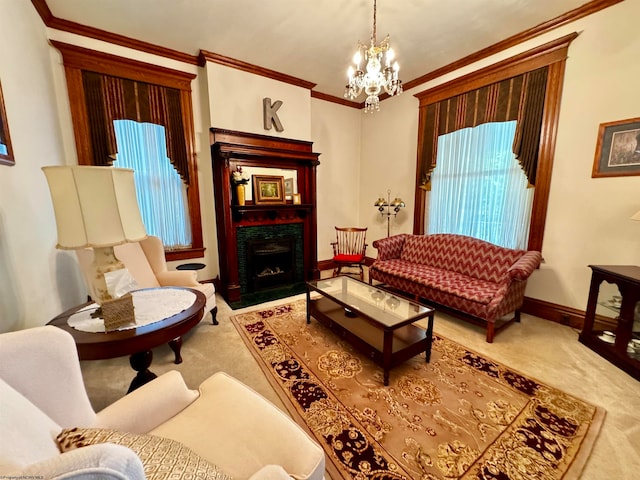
574 472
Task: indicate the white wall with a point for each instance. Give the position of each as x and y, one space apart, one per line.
336 135
36 281
235 99
388 162
588 218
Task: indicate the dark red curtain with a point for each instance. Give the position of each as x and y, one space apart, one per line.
111 98
519 98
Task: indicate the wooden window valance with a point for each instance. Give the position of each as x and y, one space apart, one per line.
519 98
110 98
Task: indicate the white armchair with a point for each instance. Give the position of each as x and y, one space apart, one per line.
225 424
146 262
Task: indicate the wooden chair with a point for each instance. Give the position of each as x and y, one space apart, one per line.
349 249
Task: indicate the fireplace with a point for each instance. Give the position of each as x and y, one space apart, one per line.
270 256
271 263
264 247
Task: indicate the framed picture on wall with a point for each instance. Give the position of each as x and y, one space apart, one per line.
268 189
6 152
618 149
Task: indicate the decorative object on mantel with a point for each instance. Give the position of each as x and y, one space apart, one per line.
388 207
379 71
268 189
618 149
297 200
97 207
239 179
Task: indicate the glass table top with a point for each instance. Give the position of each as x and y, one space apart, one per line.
378 304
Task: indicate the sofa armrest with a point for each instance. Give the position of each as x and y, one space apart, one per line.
148 406
524 267
390 247
177 278
271 472
105 461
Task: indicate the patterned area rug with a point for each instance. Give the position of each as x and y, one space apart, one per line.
460 416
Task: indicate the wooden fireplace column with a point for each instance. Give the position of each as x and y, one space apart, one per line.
231 149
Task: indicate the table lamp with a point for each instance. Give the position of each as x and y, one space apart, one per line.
97 207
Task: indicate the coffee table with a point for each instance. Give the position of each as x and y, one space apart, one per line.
376 322
137 342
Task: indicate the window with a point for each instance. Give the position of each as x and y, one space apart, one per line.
454 105
162 195
479 189
106 89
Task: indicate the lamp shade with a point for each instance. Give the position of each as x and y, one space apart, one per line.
636 216
94 206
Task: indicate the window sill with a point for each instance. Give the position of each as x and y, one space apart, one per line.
184 254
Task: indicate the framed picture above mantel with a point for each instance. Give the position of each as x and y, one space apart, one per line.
618 149
268 190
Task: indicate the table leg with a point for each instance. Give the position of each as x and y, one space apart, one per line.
141 362
176 345
387 352
429 338
308 305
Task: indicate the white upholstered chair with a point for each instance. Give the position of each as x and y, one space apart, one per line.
146 262
224 423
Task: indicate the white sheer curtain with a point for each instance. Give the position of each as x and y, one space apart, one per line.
161 193
478 187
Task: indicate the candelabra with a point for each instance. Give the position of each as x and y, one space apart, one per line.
389 208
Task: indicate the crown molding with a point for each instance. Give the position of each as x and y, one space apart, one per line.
72 27
333 99
545 27
83 30
206 56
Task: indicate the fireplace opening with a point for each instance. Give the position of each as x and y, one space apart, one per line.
271 262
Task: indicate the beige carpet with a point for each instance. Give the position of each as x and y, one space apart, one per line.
461 415
538 348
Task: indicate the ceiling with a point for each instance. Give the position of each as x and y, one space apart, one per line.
314 40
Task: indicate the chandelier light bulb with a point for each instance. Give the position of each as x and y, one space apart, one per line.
350 72
390 56
357 58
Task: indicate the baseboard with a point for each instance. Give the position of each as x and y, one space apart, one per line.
554 312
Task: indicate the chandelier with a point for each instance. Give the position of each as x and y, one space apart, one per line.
379 74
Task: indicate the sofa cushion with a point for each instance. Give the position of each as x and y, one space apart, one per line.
461 254
104 462
460 285
28 435
162 458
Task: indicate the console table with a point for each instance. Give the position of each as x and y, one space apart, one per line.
619 348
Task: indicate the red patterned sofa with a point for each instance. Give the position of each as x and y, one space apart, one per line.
469 278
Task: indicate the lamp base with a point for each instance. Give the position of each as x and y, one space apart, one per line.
116 313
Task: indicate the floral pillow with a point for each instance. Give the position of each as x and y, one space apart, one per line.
163 458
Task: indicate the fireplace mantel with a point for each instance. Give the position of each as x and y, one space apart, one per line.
231 149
